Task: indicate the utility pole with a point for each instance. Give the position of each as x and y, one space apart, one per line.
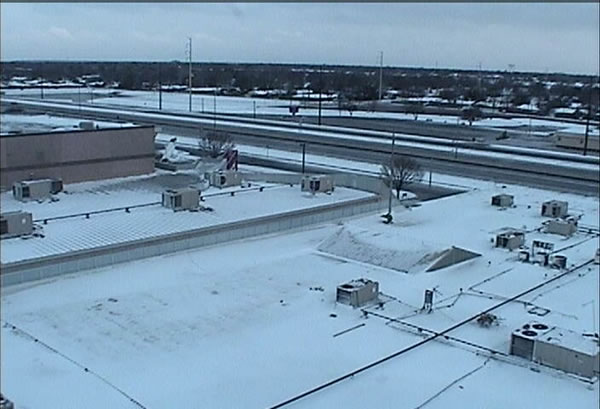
303 156
587 123
190 72
380 75
320 90
159 87
479 86
215 109
391 176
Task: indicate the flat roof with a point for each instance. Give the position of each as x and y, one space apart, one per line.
21 125
571 340
80 233
251 323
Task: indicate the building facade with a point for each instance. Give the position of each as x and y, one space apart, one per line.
77 156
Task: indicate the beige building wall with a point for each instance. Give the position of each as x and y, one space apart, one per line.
77 156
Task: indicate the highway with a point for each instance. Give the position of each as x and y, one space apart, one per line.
536 168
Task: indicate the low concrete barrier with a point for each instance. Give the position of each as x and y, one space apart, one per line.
56 265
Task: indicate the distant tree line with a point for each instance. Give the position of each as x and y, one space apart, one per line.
352 83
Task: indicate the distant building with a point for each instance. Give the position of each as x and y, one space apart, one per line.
577 141
77 156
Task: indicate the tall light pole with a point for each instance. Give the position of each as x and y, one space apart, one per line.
320 90
159 87
587 123
391 176
190 72
215 109
380 75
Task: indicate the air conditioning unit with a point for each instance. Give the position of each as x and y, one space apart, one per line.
562 227
181 199
40 189
511 239
503 200
358 292
555 208
317 184
15 224
522 342
558 348
224 178
87 125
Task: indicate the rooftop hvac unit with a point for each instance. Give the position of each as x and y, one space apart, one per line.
562 227
510 239
181 199
40 189
317 183
358 292
522 342
86 125
555 208
15 224
557 348
559 261
502 200
224 178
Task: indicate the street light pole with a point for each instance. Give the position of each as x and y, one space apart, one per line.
215 109
320 90
587 123
391 175
159 87
380 75
303 156
190 73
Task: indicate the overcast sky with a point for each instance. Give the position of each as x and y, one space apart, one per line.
534 37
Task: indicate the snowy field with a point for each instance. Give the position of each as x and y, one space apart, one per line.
260 106
62 236
252 323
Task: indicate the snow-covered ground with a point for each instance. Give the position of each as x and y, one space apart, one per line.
254 322
316 159
179 101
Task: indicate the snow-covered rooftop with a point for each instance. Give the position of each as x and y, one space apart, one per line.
24 124
253 323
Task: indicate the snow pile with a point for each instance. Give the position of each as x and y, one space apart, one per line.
399 253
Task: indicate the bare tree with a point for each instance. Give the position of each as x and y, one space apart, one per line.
214 143
347 104
403 172
415 109
471 113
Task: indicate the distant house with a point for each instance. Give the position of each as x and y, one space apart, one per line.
564 112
